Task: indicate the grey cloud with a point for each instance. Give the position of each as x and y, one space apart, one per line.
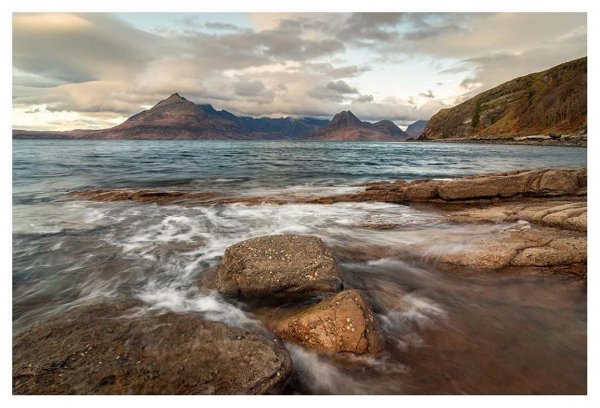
428 94
86 47
221 26
341 87
364 98
104 66
249 88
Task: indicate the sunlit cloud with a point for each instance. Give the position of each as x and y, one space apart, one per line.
92 70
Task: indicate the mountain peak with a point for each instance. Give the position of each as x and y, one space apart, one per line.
345 119
173 99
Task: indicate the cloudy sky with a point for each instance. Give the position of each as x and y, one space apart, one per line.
94 70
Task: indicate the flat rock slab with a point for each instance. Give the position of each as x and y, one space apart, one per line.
500 186
541 249
342 323
545 183
278 265
110 348
571 215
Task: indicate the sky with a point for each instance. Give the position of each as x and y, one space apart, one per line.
90 71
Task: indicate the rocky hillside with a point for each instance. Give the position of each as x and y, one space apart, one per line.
551 102
345 126
178 118
416 129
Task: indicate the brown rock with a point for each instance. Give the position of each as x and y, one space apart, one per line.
571 215
278 265
560 251
422 190
485 186
107 348
342 323
538 248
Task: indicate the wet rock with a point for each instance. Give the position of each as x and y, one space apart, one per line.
422 190
557 252
113 348
278 265
144 195
342 323
571 215
503 186
550 249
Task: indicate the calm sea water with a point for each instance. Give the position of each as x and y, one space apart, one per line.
481 334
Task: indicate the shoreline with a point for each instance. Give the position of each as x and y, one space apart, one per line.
548 143
306 301
416 141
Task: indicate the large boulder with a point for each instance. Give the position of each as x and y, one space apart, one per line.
283 265
110 348
342 323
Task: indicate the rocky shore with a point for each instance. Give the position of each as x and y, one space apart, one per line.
295 287
534 140
550 206
115 346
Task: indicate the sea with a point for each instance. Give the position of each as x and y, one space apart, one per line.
476 333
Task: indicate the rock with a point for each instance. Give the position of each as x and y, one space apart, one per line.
342 323
422 190
553 250
557 182
485 186
110 348
560 251
144 195
571 215
490 187
278 265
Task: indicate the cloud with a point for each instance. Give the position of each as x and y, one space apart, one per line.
341 87
221 26
364 98
249 88
428 94
94 67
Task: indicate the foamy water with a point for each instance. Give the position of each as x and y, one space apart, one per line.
443 333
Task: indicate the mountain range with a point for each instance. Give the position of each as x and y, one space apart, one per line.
347 127
550 102
180 119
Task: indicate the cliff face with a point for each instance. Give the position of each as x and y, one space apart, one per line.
345 126
544 103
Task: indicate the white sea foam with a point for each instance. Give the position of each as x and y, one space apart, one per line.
320 375
210 305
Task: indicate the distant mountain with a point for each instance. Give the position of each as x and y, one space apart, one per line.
416 129
347 127
544 103
178 118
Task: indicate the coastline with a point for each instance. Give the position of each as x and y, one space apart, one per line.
550 142
302 297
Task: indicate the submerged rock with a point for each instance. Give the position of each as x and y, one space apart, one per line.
111 348
342 323
278 265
